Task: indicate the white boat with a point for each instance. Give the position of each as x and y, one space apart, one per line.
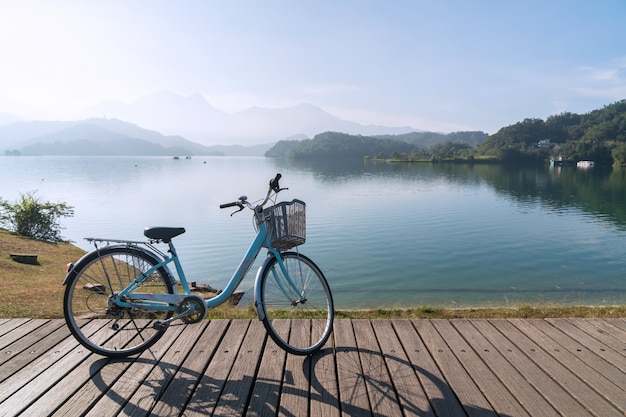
585 164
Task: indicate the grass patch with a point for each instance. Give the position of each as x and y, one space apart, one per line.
36 291
426 312
524 311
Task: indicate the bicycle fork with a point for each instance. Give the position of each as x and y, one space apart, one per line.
285 283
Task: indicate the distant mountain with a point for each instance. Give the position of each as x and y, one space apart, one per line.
194 118
168 113
104 137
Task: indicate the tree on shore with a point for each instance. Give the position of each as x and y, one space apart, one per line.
30 217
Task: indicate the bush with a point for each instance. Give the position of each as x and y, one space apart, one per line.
31 217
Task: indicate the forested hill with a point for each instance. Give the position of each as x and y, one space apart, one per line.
428 139
344 146
599 135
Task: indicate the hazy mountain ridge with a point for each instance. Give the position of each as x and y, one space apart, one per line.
105 137
194 118
177 125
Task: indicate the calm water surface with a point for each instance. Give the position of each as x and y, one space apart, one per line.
384 234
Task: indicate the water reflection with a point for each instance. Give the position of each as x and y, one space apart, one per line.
600 192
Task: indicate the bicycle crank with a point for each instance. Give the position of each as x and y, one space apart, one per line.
191 309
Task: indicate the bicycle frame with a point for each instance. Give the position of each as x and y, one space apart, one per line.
170 301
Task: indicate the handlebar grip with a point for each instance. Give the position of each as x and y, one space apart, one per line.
274 183
234 204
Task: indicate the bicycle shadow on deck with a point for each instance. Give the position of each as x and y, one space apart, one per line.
374 383
366 388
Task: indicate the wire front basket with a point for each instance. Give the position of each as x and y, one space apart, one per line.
286 224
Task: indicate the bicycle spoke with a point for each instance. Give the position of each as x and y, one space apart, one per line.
300 294
90 295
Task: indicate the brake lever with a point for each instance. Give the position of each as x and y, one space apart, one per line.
241 207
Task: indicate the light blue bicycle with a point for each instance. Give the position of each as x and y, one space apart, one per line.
121 297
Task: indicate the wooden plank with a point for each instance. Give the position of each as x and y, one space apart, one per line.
546 336
85 384
352 391
411 396
177 393
576 388
294 398
441 397
117 395
41 374
268 382
382 395
99 374
46 327
236 394
103 373
470 396
72 386
499 397
609 327
619 323
616 340
551 391
149 392
12 324
211 385
24 330
33 370
593 344
324 388
599 372
25 350
525 393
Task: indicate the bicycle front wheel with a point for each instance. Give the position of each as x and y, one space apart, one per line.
299 293
91 314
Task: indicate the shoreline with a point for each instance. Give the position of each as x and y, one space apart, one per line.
36 291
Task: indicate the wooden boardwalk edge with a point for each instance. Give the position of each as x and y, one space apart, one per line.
460 367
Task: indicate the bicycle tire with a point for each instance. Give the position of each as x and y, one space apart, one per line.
101 326
310 311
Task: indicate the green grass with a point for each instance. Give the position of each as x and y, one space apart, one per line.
524 311
36 291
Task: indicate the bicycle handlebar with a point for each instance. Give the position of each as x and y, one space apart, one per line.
243 200
233 204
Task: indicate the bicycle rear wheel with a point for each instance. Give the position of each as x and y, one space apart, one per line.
306 302
99 324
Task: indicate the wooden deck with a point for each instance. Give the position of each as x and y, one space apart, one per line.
445 368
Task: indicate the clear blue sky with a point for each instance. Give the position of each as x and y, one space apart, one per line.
435 65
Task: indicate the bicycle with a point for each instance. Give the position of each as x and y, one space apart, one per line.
121 297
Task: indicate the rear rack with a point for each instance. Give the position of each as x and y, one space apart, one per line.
98 239
106 242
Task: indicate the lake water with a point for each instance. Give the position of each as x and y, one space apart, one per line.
385 235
